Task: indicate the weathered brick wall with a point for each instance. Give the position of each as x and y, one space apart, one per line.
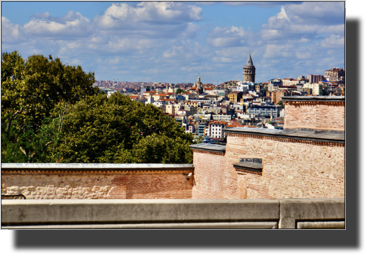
208 175
314 116
290 169
250 186
69 185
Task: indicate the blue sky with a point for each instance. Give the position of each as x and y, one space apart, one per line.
176 41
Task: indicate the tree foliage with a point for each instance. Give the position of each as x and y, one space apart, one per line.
34 92
118 130
179 91
52 113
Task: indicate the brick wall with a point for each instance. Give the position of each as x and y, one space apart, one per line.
208 175
314 116
290 169
40 184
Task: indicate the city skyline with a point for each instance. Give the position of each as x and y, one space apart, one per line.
176 42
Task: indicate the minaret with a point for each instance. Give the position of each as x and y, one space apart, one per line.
249 70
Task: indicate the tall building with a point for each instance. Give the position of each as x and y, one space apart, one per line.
334 73
249 70
315 78
198 85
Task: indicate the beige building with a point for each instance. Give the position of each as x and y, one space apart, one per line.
191 109
334 73
290 82
159 96
275 96
170 109
173 108
235 96
316 89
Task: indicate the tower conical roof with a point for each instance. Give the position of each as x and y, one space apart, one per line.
249 61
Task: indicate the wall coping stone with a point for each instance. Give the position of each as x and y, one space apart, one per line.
249 166
17 212
20 214
93 166
314 98
209 147
310 135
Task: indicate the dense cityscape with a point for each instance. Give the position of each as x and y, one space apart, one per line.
191 119
206 109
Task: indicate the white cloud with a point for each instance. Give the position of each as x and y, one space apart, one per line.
175 51
321 13
231 37
150 19
44 15
10 32
276 51
305 21
303 55
333 41
73 24
263 4
191 31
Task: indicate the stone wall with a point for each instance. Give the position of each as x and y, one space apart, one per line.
290 169
98 183
318 115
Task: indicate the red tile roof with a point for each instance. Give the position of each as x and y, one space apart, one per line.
218 122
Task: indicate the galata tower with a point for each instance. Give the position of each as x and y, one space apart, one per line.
249 70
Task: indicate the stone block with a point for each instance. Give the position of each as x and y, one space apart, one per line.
317 209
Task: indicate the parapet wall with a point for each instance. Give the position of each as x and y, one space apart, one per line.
209 184
290 168
317 113
97 181
172 214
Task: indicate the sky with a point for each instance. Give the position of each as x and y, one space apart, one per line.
176 42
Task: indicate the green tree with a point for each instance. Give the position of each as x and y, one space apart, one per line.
179 91
33 93
118 130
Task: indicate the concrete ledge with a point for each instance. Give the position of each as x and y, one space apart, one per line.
326 209
152 214
318 225
209 147
208 225
49 212
312 135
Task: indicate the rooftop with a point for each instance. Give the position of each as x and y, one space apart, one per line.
314 98
314 135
